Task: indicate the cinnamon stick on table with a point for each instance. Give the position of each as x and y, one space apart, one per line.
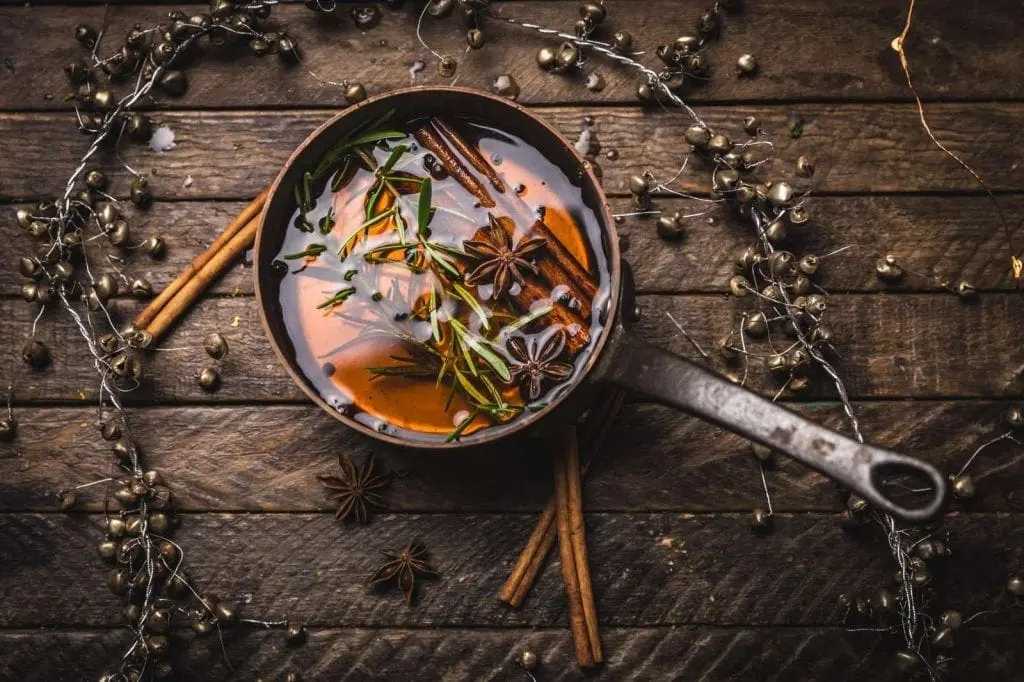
531 559
252 210
241 241
573 552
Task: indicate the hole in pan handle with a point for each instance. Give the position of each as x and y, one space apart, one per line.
864 469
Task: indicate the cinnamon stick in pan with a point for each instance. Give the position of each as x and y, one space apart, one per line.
429 138
470 153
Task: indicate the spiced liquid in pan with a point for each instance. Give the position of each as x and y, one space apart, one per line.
441 278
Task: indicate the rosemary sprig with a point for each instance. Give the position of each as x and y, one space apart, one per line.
359 230
481 347
469 299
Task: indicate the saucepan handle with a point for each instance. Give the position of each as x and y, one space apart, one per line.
677 382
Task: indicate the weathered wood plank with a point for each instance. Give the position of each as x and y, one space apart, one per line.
857 148
267 459
956 52
945 237
648 569
685 653
920 346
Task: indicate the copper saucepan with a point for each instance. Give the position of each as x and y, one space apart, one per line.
618 357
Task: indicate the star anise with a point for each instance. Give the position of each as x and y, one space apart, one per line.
501 264
404 566
535 358
355 490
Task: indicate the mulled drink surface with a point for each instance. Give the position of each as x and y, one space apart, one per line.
441 278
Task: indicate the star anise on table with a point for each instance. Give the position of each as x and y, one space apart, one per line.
403 567
532 359
500 263
355 491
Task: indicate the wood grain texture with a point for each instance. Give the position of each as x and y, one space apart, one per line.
635 654
648 569
956 51
948 238
267 459
920 346
857 148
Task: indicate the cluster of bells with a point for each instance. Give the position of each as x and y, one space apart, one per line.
142 527
884 604
685 59
145 50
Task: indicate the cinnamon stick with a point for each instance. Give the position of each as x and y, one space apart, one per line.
578 541
577 617
564 264
592 435
470 153
218 262
253 209
430 139
531 558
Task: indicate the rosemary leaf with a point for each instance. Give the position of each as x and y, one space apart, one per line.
424 215
464 349
469 388
339 179
337 298
435 328
480 346
498 398
446 263
374 197
396 154
471 301
366 225
400 226
454 435
326 223
526 319
307 191
311 251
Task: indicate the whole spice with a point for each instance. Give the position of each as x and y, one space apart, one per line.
355 491
403 567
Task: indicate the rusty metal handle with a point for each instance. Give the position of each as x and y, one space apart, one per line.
679 383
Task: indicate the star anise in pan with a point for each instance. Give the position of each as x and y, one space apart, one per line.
403 567
355 490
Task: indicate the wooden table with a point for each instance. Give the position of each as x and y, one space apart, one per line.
684 589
